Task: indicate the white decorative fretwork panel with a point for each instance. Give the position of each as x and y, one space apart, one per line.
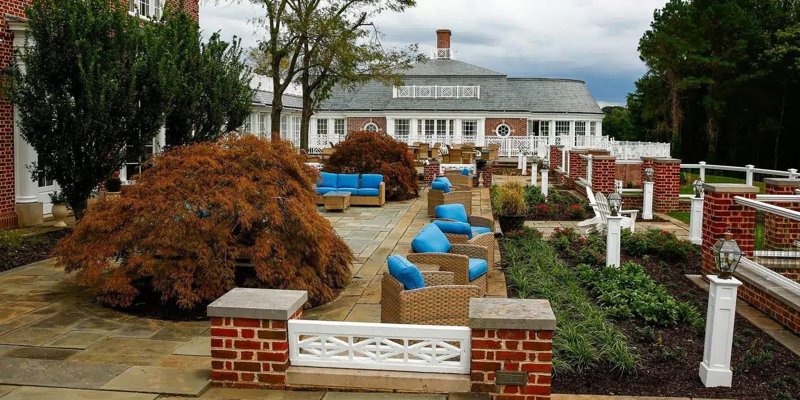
392 347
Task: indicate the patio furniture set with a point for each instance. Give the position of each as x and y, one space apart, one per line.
340 191
602 211
444 191
455 153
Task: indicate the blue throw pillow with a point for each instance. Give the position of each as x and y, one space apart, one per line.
430 240
407 273
443 179
477 268
327 179
465 172
371 181
458 228
441 185
347 181
456 212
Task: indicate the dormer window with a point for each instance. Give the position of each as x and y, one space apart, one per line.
146 9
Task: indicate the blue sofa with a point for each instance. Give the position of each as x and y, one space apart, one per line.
365 189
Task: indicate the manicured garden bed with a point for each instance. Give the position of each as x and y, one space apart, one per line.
18 249
658 312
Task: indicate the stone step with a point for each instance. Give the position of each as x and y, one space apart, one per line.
394 381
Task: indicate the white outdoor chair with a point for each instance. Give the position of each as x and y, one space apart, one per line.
591 223
604 211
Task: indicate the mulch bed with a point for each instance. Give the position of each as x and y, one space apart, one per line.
28 249
670 358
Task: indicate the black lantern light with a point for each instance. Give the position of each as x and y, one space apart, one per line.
727 254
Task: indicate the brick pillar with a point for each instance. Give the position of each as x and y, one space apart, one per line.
666 184
647 162
781 233
249 343
577 165
512 342
487 174
555 157
431 171
604 171
721 214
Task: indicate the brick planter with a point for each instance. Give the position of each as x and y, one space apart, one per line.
604 170
430 172
577 165
555 157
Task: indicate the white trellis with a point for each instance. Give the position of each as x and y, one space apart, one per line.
393 347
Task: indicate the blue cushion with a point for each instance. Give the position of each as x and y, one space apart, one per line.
465 172
458 228
371 181
441 185
407 273
430 240
443 179
477 268
323 190
327 179
353 191
347 181
480 230
456 212
367 192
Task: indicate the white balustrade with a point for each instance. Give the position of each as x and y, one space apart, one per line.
392 347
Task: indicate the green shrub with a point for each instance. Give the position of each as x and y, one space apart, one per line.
662 244
584 338
534 196
629 292
510 200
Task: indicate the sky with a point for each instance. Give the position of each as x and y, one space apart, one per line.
592 40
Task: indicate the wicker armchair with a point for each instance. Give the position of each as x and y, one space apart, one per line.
457 260
456 196
458 179
440 302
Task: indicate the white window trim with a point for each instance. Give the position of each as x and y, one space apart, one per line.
497 130
368 124
156 5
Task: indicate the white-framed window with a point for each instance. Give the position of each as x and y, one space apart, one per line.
340 127
263 124
580 128
430 127
147 9
371 127
538 128
322 127
402 127
248 124
562 128
593 128
469 130
503 130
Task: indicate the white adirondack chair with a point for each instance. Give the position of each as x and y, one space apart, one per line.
604 210
591 223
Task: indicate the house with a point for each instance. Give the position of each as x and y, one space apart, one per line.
23 202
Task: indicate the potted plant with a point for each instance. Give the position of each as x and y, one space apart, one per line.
113 186
60 210
510 207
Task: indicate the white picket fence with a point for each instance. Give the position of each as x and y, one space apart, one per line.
390 347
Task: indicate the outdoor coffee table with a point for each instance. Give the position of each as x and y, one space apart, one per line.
336 201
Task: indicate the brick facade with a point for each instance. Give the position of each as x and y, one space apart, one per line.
555 156
781 233
357 124
249 353
519 126
604 170
577 165
516 351
785 315
430 172
630 174
666 184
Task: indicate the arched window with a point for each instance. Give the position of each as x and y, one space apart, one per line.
371 127
503 130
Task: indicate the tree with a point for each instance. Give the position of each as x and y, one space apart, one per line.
208 84
179 231
85 91
617 123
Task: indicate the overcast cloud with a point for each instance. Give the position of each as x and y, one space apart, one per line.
591 40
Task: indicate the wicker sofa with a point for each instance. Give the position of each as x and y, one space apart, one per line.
469 262
365 189
442 191
458 178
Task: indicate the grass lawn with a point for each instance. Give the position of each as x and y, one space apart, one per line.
692 176
683 216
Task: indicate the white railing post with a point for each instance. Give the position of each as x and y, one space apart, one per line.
564 162
613 240
589 170
703 171
792 173
715 370
647 201
545 181
749 174
534 167
696 221
524 170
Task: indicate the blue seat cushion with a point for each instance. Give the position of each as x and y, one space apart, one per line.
430 239
327 179
456 212
323 190
458 228
441 185
443 179
480 230
367 192
404 271
465 172
371 181
477 268
352 191
347 181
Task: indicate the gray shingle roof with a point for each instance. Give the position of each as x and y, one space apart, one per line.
264 98
449 68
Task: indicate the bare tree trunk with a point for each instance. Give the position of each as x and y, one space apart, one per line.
712 132
305 122
277 106
780 131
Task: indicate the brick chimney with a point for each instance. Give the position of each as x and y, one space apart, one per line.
443 51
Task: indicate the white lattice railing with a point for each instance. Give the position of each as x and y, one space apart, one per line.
437 92
635 150
392 347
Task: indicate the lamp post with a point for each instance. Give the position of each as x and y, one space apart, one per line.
647 201
614 231
696 214
545 176
715 369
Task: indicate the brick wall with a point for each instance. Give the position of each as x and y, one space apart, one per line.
512 350
604 170
632 201
721 214
249 353
577 165
519 126
430 172
357 124
781 233
630 175
666 184
555 156
785 315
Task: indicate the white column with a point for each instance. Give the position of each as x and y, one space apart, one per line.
749 174
613 241
524 164
24 155
600 128
696 221
589 166
519 161
647 202
457 133
481 132
703 171
534 167
545 181
390 126
715 370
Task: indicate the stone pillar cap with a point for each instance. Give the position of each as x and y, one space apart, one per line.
600 157
264 304
666 160
730 188
782 182
578 150
520 314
